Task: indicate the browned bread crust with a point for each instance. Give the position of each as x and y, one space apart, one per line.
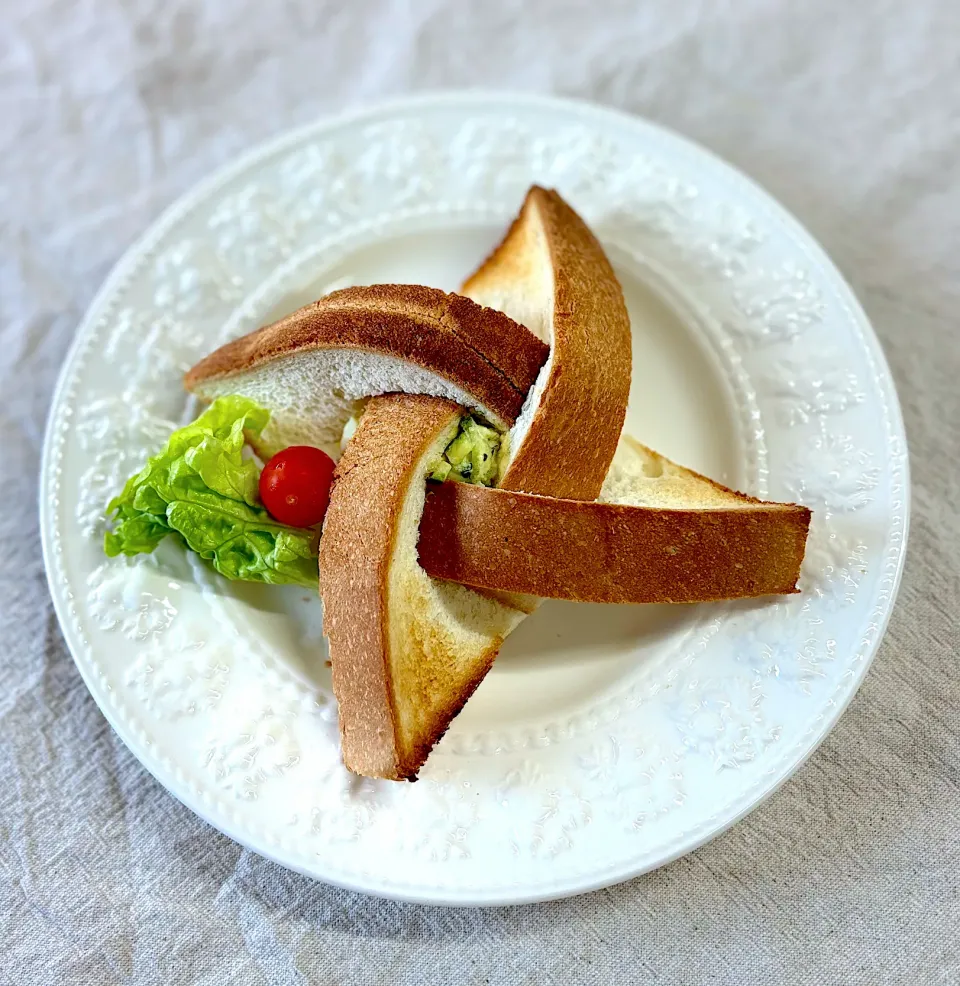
581 410
480 350
359 533
608 553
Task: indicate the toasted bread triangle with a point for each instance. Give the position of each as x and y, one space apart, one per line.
659 533
314 367
550 274
406 650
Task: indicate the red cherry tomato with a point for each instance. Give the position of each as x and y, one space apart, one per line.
295 485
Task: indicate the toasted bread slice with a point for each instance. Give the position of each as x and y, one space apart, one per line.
551 275
406 651
314 367
659 534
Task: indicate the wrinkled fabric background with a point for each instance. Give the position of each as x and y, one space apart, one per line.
847 112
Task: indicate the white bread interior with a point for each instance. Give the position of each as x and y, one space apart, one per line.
312 395
640 477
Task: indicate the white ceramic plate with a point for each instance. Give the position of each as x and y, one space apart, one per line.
607 740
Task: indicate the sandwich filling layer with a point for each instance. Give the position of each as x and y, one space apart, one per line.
472 456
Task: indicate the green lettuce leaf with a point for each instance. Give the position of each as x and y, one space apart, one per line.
202 490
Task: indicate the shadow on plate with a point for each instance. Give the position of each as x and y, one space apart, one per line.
561 632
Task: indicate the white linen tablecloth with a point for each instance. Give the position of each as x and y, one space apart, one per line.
847 112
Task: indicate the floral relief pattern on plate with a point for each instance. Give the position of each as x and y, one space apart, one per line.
804 387
118 598
180 679
832 470
264 747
